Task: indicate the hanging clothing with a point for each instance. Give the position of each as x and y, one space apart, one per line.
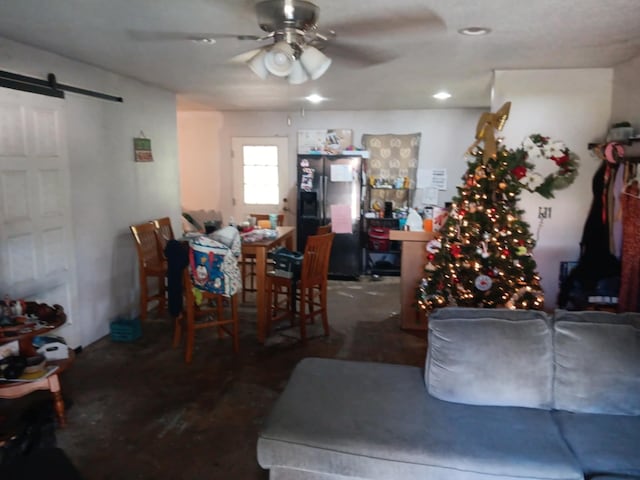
598 269
629 297
615 222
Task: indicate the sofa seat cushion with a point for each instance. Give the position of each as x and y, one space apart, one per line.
375 421
605 444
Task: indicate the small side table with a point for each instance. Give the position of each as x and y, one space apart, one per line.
11 390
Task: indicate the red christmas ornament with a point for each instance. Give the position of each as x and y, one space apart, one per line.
519 172
431 256
505 252
455 250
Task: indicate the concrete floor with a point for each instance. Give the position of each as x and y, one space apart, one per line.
140 413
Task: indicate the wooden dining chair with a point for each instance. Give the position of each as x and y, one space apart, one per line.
323 229
151 264
164 232
248 262
306 297
214 310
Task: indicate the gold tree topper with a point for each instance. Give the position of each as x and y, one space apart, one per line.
485 130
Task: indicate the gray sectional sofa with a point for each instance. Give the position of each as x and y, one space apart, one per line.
503 395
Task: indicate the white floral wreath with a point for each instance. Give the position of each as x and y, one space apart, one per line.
539 147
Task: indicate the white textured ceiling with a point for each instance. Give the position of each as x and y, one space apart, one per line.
418 37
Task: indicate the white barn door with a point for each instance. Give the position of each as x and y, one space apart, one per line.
36 241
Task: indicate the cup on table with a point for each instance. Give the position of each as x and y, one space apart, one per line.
273 220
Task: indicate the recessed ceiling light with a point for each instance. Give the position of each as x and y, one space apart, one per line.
474 31
207 40
315 98
442 95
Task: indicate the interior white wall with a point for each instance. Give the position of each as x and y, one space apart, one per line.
446 134
626 94
200 170
573 105
109 191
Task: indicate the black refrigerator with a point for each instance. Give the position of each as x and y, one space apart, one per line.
331 186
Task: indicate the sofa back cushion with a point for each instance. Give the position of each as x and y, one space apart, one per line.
502 313
597 367
595 316
490 361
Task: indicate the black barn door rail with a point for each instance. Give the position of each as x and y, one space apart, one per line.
49 87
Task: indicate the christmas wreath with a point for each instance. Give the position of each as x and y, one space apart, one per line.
537 148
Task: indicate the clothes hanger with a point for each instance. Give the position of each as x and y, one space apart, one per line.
633 186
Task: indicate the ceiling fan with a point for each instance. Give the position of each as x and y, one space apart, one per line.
295 51
296 46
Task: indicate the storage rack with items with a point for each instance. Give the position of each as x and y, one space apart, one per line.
381 255
386 202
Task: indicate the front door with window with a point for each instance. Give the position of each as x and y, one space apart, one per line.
261 177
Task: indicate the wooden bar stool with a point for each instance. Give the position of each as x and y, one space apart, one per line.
151 264
219 311
164 231
310 291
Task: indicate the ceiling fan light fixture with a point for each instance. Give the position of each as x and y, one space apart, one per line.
279 59
298 74
257 64
314 62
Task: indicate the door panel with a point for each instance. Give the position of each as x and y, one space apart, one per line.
36 244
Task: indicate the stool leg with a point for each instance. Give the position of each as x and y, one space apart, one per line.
58 402
323 309
177 330
220 314
304 299
244 280
143 297
234 317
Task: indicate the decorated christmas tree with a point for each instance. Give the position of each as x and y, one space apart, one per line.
482 255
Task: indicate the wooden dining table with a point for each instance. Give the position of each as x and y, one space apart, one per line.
285 237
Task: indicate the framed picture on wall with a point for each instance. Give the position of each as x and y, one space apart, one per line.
328 142
142 150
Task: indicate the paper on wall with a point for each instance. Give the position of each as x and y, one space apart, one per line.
341 219
430 196
432 178
341 173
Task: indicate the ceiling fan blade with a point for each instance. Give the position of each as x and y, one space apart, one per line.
169 36
393 21
360 56
244 57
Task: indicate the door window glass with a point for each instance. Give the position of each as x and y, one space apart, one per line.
260 173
